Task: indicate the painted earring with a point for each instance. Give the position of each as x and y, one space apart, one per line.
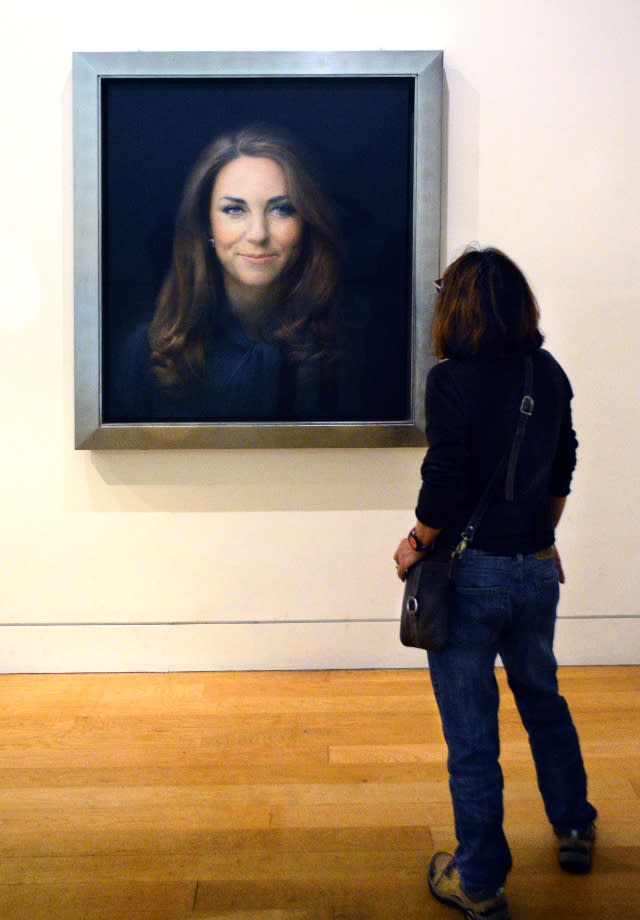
212 243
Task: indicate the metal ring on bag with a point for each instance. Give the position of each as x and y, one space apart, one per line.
412 604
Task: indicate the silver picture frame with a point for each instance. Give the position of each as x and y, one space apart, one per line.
421 71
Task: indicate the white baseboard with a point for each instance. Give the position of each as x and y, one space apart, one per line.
69 648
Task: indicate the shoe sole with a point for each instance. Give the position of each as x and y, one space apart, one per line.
575 863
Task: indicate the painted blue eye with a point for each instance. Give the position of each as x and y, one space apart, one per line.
286 210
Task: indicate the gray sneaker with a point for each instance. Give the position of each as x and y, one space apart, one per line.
576 850
446 886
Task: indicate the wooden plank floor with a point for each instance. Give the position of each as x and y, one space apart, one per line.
283 796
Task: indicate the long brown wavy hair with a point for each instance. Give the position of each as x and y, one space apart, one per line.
485 306
192 290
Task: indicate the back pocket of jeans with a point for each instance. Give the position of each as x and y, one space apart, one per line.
477 615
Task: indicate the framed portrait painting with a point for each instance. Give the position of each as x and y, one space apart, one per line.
255 236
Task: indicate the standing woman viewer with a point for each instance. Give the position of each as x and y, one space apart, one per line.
506 585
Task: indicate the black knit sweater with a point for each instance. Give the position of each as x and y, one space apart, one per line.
472 409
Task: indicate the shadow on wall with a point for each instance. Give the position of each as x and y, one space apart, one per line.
250 480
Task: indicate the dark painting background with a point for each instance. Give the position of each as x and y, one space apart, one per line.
360 131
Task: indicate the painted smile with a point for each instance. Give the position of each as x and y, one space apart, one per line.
258 259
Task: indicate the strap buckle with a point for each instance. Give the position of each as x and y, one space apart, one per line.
466 537
526 406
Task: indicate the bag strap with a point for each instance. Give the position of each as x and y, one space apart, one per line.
526 410
509 459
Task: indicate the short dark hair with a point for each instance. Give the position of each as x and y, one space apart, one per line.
485 306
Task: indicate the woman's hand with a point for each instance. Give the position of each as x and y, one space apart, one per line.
405 556
558 562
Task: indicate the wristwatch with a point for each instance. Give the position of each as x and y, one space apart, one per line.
414 541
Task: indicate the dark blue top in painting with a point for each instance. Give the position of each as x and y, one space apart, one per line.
245 380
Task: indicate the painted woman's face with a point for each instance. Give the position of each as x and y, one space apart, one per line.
257 230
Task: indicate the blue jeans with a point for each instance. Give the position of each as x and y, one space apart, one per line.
504 605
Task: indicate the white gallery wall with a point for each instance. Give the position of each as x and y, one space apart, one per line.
212 559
